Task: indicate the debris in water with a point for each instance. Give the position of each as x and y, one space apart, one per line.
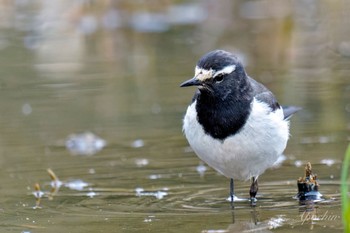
55 183
308 186
38 194
85 143
158 194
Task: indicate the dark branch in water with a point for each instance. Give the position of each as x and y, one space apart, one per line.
308 186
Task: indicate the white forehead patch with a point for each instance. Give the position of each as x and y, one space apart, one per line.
203 74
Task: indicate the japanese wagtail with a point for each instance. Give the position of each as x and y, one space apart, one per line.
234 123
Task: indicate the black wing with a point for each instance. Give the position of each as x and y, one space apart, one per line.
263 94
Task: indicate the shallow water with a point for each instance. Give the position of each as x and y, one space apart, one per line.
115 70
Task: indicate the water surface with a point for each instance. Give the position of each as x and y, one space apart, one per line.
115 69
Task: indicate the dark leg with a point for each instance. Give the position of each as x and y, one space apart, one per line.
253 190
232 191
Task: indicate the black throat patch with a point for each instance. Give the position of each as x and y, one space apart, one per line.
222 118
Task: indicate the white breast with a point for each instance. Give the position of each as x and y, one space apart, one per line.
256 147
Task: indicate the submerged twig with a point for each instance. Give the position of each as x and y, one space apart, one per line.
55 184
38 194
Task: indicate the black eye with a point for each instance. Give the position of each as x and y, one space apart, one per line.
219 78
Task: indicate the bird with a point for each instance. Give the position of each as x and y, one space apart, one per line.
234 123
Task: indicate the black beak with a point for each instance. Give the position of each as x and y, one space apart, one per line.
191 82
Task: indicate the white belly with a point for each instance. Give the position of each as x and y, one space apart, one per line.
256 147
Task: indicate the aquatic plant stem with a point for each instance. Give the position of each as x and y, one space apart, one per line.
345 191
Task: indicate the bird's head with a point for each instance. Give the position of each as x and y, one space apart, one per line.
218 73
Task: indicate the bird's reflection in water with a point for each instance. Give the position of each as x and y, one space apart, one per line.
254 224
247 226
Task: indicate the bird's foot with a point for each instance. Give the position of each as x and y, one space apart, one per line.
253 201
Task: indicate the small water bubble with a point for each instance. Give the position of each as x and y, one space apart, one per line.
236 199
201 169
139 191
298 163
154 176
141 162
328 162
276 222
26 109
324 139
91 194
215 231
85 143
78 185
137 143
160 194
